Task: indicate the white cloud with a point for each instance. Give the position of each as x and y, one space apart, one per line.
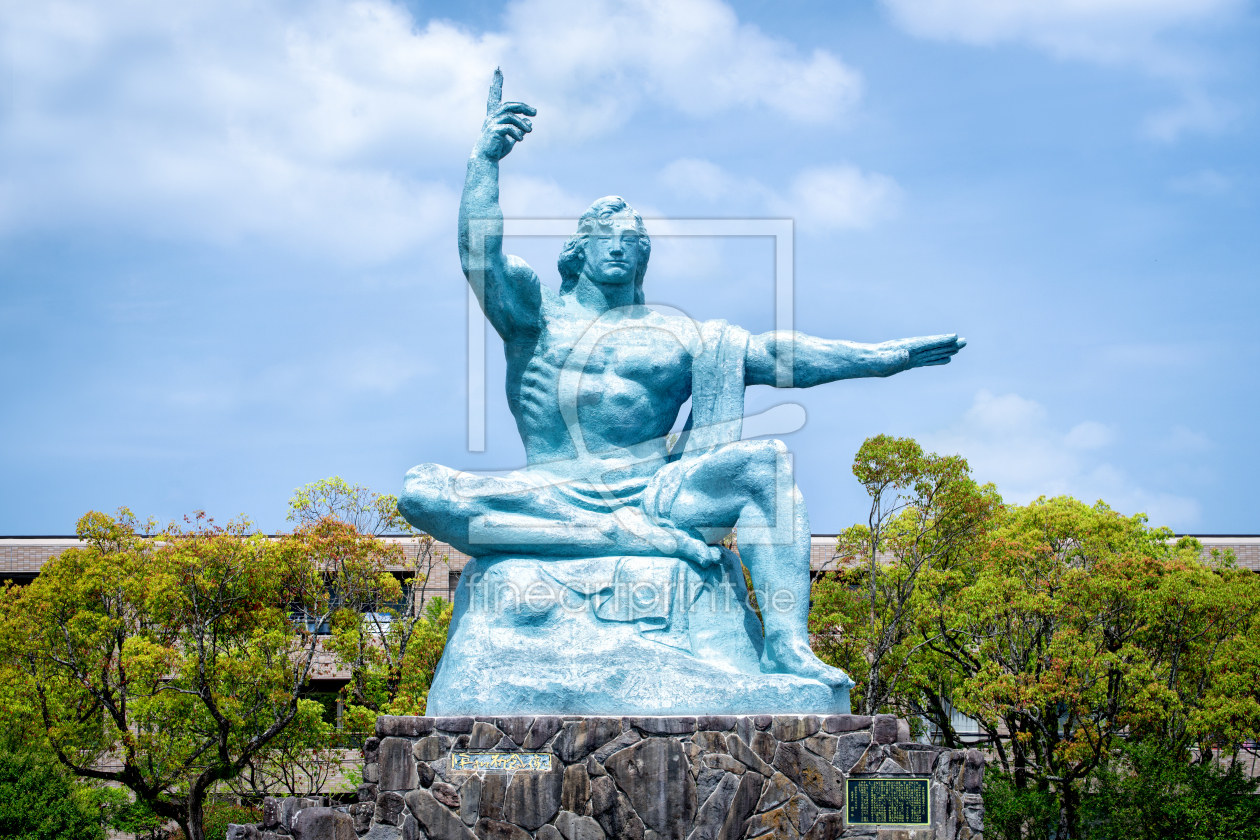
524 196
220 121
824 198
315 124
841 197
695 176
604 55
1122 32
1089 435
1008 440
1097 29
1195 112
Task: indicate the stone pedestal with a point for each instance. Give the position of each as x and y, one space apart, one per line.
650 778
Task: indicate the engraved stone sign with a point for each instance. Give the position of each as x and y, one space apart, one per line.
893 800
496 762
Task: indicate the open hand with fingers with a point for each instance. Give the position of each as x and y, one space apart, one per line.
907 353
506 123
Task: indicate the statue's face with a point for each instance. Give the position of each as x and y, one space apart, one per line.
614 250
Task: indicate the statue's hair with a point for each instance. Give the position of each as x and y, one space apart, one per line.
573 255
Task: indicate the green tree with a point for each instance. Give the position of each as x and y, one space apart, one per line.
126 815
370 513
386 641
299 761
1044 634
166 663
219 815
1077 627
1201 630
926 513
1070 633
1012 812
839 624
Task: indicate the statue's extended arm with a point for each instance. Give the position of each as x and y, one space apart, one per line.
818 360
507 288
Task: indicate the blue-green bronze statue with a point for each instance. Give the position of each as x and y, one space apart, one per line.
599 585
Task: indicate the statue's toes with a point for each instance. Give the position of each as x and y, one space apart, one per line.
801 661
827 675
697 551
834 677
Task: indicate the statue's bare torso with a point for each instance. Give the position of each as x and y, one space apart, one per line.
633 376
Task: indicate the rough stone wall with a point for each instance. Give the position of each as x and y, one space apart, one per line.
682 778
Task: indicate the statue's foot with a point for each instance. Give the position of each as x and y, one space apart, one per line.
795 657
696 550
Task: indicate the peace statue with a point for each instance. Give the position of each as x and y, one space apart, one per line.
599 584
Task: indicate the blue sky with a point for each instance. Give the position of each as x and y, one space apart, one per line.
227 259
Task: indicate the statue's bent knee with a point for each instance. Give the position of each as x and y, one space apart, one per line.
763 461
426 495
769 450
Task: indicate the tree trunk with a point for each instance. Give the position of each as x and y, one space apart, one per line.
1070 813
996 740
944 722
195 829
1021 762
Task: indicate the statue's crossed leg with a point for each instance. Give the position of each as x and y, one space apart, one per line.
669 513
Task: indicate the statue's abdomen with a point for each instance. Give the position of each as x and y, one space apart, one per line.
533 376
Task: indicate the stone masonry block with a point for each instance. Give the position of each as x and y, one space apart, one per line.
404 727
397 768
323 824
884 729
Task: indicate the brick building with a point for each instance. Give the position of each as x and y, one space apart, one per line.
22 557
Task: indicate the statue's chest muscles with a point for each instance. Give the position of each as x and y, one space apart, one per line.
648 358
638 361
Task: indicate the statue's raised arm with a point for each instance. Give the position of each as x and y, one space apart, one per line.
507 288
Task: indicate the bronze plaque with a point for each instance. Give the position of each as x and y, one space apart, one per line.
889 800
500 762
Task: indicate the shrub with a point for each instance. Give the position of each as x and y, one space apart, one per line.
40 801
1152 793
218 815
1013 813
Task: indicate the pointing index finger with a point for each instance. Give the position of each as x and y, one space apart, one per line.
496 93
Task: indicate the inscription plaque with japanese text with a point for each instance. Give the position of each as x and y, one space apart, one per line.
896 800
496 762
